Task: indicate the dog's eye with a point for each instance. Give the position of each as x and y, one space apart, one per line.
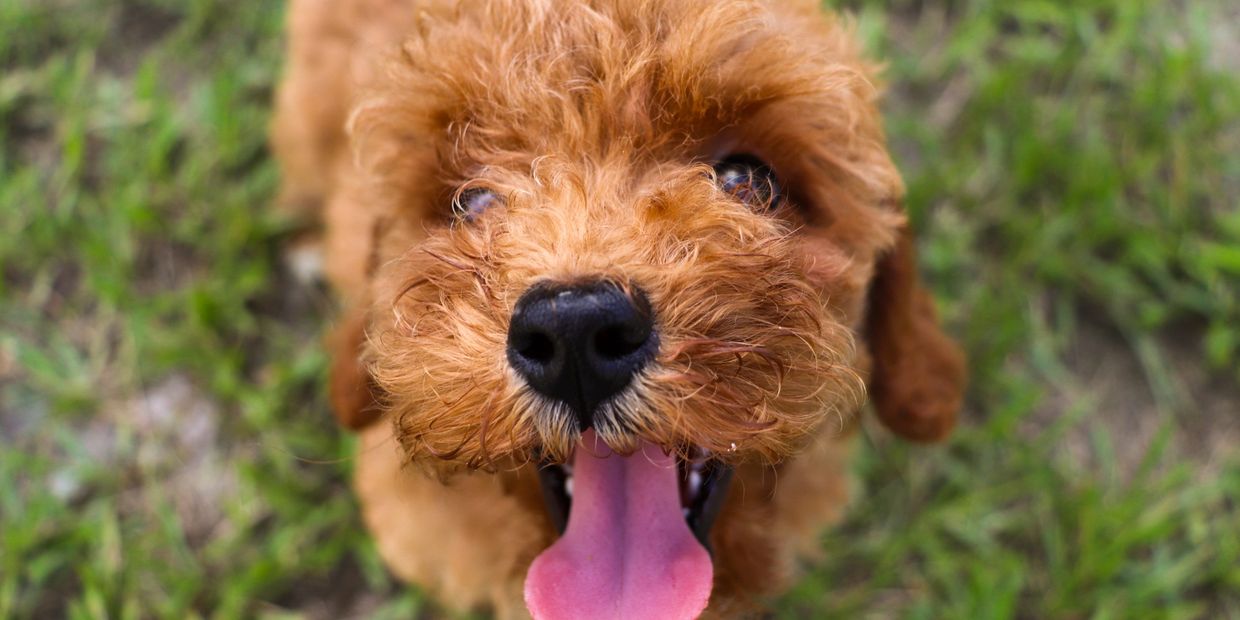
750 180
473 202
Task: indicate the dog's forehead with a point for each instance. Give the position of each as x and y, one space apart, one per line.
515 80
496 91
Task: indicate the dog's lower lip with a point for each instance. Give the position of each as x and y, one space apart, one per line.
704 485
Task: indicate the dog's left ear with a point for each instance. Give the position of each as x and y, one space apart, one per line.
353 394
918 376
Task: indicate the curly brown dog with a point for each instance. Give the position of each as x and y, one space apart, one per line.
617 275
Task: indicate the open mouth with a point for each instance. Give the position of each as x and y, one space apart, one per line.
634 532
703 485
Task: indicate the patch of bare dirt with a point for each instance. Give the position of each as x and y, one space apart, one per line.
177 439
1225 39
138 27
1114 391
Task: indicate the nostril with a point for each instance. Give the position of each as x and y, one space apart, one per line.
536 347
619 341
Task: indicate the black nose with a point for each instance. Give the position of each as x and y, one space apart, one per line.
581 344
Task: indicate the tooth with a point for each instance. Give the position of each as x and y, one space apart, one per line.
695 482
568 486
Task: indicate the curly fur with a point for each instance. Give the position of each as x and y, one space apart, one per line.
596 121
749 364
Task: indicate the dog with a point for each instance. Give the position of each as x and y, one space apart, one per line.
617 277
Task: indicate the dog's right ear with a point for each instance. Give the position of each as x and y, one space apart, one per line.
918 378
353 394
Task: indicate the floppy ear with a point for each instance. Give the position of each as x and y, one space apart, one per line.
351 390
918 376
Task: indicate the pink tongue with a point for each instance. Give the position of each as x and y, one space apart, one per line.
627 552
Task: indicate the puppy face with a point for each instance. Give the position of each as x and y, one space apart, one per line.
635 243
699 171
738 351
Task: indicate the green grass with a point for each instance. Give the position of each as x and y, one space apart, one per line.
1073 167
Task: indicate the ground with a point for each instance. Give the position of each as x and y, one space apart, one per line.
165 446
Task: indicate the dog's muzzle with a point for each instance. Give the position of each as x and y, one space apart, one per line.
581 344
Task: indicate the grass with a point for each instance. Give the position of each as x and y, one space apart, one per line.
165 449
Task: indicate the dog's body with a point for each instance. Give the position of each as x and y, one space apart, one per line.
591 126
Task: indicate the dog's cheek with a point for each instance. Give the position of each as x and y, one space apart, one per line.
440 353
841 280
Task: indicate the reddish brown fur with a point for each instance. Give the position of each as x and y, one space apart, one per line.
352 390
596 120
907 344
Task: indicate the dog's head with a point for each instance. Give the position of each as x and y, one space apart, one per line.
670 227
